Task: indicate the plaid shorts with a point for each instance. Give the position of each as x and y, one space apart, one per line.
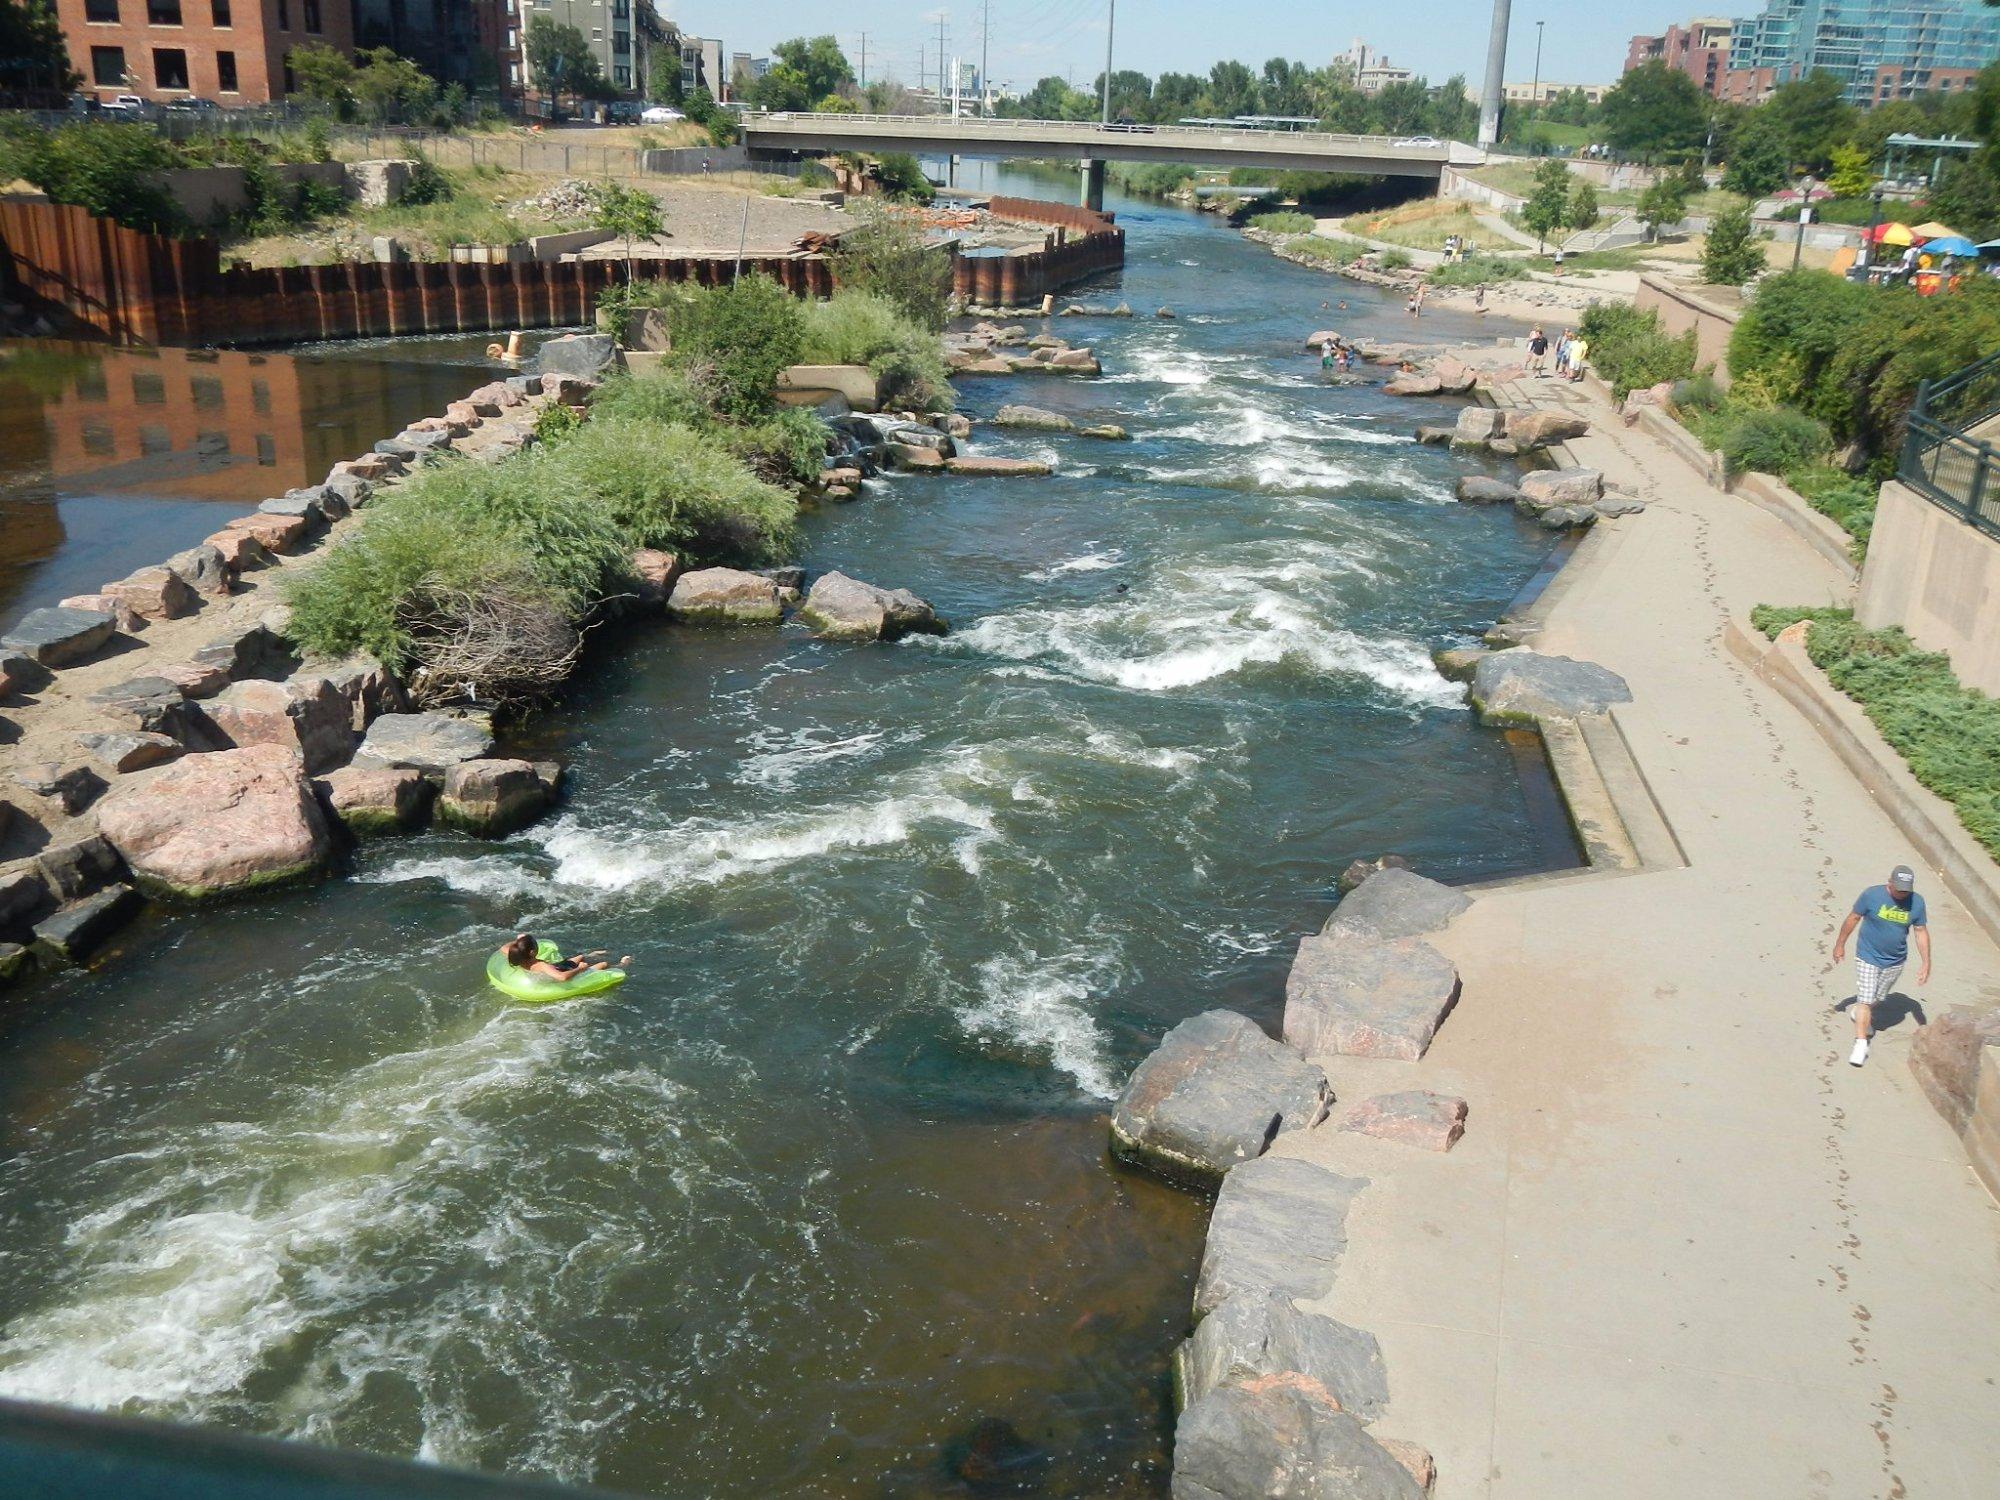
1873 985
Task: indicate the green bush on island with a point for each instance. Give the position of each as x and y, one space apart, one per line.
1284 221
1630 349
734 339
787 447
886 255
111 169
902 178
1949 734
862 328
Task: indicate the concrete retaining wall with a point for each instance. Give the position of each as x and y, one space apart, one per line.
1939 579
1453 183
207 195
1680 308
556 246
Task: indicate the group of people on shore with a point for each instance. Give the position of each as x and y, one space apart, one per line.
1571 352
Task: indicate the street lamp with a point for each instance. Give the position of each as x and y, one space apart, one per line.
1874 222
1110 24
1535 88
1805 218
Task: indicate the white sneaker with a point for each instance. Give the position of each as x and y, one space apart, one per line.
1860 1053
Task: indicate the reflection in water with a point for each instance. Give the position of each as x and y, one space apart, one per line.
114 458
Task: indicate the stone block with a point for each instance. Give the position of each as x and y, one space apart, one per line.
15 962
1430 1122
724 596
1537 429
1525 687
215 824
203 569
1396 904
370 800
1216 1091
132 751
351 490
584 356
1358 871
986 466
303 508
281 534
78 867
71 786
1541 488
155 594
428 742
1478 489
492 798
305 714
1279 1225
1361 997
130 621
655 573
240 550
1264 1333
1033 418
846 609
59 637
1281 1437
76 931
24 896
1478 424
21 673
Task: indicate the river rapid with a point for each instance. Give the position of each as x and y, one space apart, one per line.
818 1203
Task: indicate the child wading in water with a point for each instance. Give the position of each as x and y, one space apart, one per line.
522 950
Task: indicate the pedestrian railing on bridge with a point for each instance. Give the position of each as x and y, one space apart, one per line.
1304 141
1948 452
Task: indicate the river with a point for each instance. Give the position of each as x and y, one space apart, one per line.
818 1203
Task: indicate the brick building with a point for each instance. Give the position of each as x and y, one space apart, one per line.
229 51
1699 49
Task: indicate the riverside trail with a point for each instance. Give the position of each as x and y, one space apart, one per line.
818 1203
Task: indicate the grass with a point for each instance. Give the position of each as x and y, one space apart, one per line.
1487 270
1324 247
1424 224
1284 221
858 328
1947 733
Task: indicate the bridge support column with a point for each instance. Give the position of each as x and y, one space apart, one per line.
1093 185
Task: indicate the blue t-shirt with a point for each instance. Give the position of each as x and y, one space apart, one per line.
1885 926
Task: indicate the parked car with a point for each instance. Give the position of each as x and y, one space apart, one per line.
661 114
126 104
1126 122
1424 141
193 106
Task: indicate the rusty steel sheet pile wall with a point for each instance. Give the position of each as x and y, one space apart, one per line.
134 287
1083 244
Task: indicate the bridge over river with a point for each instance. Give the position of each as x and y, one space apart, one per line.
1095 144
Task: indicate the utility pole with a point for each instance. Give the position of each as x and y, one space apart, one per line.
1110 25
985 38
943 15
864 59
1535 88
1496 74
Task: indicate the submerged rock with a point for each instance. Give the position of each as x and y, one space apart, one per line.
841 608
992 467
1216 1091
1033 418
211 824
1479 489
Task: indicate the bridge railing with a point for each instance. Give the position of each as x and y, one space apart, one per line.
1304 140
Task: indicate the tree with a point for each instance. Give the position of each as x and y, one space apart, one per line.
112 170
902 178
323 75
1849 176
1655 112
1232 90
1581 212
629 212
819 61
560 61
663 77
783 88
886 256
32 53
1813 116
1664 203
1732 255
389 86
1544 211
1759 161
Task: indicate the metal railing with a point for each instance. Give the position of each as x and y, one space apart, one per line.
974 127
1945 458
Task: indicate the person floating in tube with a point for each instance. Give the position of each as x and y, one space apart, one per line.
522 950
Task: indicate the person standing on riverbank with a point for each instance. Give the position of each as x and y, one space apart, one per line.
1538 350
1889 916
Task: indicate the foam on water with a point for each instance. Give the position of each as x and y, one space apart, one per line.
1093 561
1043 1006
781 757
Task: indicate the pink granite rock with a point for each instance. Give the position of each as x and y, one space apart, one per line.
210 824
1432 1122
129 620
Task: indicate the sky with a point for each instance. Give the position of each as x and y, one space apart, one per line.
1031 38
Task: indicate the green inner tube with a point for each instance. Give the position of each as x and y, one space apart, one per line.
539 989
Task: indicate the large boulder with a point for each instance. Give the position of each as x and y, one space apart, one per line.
203 569
239 550
155 594
1537 429
371 800
1541 488
654 574
155 705
278 534
1396 903
130 621
992 466
247 649
840 608
492 798
1478 489
306 714
429 742
59 637
1455 377
1412 384
121 753
583 356
212 824
1264 1333
365 686
1216 1091
724 596
1525 687
1361 997
1478 424
1281 1437
1279 1225
1033 418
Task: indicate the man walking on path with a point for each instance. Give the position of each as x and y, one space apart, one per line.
1888 916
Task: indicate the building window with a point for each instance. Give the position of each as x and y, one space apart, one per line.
154 440
267 451
312 16
164 12
97 440
225 72
90 385
260 397
222 13
170 68
622 77
207 393
100 10
107 67
284 15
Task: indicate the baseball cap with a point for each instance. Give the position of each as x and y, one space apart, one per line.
1902 878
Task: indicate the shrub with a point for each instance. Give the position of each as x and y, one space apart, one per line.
735 339
1843 499
902 178
813 175
1948 734
1732 254
1323 247
1477 271
674 487
1774 441
1698 393
861 328
667 398
1284 221
788 447
318 142
1631 350
111 169
1395 260
886 255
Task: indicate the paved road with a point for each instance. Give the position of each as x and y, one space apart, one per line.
1684 1249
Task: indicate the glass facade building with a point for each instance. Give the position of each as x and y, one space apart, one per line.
1855 40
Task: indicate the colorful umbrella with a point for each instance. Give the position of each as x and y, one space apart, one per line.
1990 245
1935 231
1891 234
1950 244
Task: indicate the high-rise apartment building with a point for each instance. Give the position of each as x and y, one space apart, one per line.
229 51
1855 40
1699 49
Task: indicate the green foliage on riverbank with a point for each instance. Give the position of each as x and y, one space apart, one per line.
861 328
886 256
1948 733
1478 270
1284 221
1753 434
1630 349
113 170
1334 251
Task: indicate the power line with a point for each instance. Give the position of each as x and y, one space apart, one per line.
864 59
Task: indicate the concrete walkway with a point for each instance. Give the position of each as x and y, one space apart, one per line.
1685 1250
